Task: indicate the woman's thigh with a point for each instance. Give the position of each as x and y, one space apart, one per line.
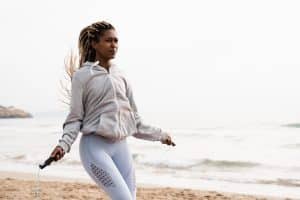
124 162
103 170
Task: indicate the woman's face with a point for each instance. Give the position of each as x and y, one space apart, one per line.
107 46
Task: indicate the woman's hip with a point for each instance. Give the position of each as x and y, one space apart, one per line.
94 143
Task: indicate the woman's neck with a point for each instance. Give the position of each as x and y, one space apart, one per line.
104 63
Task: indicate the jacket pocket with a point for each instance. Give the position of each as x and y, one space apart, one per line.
108 125
127 122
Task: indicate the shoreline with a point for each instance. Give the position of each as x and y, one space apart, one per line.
19 185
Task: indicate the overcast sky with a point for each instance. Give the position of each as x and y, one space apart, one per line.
210 60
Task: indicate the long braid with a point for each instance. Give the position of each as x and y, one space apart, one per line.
86 52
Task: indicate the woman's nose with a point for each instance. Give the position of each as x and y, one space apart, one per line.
114 44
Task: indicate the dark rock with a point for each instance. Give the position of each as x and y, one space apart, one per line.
12 112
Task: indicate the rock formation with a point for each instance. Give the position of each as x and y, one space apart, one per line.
12 112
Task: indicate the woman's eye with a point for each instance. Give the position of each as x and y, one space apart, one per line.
111 40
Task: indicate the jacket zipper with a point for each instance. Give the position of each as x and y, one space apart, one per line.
117 103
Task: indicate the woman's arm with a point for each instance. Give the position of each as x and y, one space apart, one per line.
73 122
144 131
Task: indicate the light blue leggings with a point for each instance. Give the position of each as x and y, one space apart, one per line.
110 165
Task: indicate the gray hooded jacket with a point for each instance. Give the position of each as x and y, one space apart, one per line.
102 103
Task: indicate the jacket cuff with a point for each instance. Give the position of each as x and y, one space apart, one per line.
163 136
64 146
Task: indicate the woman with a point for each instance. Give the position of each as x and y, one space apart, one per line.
103 109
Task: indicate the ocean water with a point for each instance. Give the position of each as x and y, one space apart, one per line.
254 159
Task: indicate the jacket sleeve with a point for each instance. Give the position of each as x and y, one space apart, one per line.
73 122
144 131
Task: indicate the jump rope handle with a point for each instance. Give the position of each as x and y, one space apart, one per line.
47 162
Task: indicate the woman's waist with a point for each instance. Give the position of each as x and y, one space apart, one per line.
112 125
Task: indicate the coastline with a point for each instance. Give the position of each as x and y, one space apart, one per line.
16 185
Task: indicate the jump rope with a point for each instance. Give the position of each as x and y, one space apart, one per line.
37 190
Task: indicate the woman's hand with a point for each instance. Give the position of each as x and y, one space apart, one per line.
58 153
167 140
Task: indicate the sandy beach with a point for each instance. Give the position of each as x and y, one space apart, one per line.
25 186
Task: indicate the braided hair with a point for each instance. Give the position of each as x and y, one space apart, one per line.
89 34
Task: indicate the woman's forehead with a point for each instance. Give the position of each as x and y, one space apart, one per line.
110 34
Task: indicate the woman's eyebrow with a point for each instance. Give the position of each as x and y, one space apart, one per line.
109 37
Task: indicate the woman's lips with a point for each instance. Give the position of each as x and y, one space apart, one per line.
113 52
